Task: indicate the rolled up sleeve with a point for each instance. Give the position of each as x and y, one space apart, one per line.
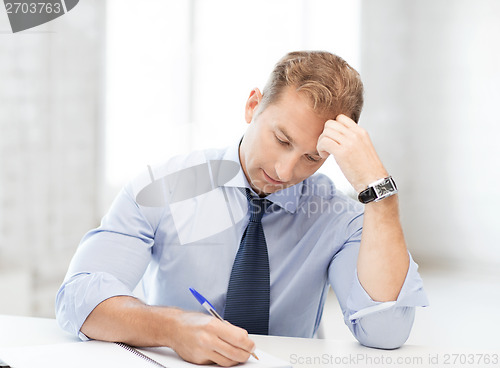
385 325
79 295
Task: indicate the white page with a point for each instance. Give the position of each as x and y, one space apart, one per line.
97 354
169 358
91 354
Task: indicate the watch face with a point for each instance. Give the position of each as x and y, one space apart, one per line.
384 188
379 190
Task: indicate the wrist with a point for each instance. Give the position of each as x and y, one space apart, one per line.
166 325
368 179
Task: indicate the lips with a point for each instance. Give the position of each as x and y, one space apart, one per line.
271 180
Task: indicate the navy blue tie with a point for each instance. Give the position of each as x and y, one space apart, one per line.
247 300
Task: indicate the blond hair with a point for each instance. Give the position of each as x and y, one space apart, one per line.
332 86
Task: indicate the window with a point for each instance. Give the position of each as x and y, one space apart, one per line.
178 73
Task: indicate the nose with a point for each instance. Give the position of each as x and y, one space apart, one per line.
285 167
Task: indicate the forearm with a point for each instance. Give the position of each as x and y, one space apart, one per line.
127 319
383 257
197 337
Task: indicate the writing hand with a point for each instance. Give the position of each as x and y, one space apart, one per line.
203 339
353 151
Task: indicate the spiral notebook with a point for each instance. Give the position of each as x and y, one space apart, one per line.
97 354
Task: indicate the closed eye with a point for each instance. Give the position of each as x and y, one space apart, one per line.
313 159
284 143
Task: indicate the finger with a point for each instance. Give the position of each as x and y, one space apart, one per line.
332 135
351 133
231 352
222 360
237 338
346 121
334 125
327 145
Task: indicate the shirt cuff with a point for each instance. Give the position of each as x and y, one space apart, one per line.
83 337
412 294
79 295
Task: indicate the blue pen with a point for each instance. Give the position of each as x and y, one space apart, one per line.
205 304
210 308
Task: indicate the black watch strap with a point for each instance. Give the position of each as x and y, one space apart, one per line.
368 195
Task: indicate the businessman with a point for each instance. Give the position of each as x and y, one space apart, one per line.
263 243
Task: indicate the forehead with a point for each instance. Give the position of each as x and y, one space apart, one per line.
293 114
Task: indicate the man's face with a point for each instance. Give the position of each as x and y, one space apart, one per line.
278 149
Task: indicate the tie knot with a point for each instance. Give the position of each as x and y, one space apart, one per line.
257 206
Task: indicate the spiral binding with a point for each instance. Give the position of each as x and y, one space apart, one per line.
139 354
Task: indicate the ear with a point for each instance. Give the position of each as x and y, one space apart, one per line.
252 104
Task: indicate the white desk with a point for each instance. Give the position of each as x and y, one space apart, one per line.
310 353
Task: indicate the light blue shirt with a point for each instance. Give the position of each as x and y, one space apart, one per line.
313 234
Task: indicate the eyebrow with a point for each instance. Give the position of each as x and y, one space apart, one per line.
283 131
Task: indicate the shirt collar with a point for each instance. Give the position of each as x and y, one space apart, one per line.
288 198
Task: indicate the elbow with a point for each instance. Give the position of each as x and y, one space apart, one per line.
68 303
62 313
384 330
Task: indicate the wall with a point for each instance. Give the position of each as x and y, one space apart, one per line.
50 99
432 71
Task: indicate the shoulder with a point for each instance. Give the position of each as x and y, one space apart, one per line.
189 164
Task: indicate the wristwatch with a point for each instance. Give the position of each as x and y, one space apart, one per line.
378 190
